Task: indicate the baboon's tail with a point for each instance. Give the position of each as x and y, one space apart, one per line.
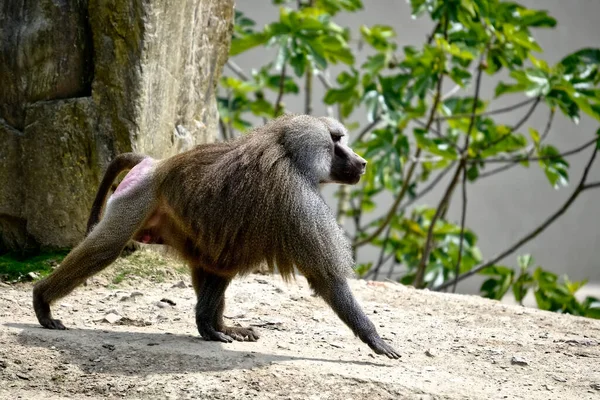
120 163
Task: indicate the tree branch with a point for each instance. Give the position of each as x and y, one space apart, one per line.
529 151
486 113
430 129
516 126
429 187
367 129
237 70
518 159
592 185
432 34
223 129
463 217
280 94
423 192
411 170
578 190
308 92
375 271
420 274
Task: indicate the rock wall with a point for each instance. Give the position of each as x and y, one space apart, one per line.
83 81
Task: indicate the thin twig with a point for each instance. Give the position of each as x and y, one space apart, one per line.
578 190
343 205
548 126
308 92
375 271
486 113
230 131
592 185
324 80
432 34
497 170
529 151
236 69
224 132
281 88
516 127
463 216
367 129
392 264
428 188
518 159
430 129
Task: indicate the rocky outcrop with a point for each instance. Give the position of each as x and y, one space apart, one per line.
83 81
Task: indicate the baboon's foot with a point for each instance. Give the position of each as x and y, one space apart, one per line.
51 323
241 334
209 333
227 334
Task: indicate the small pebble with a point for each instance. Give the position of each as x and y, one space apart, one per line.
430 353
519 361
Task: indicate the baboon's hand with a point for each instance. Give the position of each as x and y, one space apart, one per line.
381 347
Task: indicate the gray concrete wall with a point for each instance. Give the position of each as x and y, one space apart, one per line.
506 206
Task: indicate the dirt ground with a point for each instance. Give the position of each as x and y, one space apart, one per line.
135 337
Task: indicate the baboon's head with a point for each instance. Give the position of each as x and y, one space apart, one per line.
319 148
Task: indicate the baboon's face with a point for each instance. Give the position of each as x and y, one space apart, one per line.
319 148
346 166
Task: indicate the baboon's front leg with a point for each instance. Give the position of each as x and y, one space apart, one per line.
336 292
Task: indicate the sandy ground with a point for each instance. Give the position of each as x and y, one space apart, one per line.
137 339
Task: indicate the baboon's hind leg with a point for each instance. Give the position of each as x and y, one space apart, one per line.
123 217
210 290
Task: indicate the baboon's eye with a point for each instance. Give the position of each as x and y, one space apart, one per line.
336 135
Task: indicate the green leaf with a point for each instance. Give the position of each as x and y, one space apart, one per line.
521 38
283 54
378 36
503 88
525 261
434 145
375 63
497 286
460 76
554 166
583 56
539 83
535 136
289 86
472 172
245 43
334 6
537 18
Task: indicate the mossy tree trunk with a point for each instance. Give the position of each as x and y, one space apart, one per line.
83 81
